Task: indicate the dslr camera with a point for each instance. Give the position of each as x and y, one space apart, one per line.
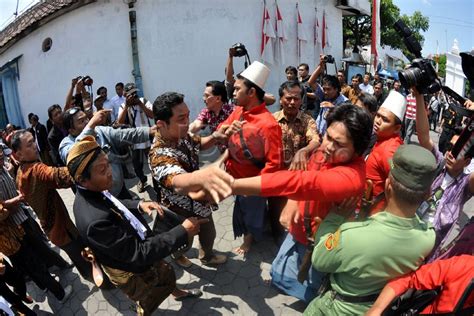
240 49
329 59
421 73
86 80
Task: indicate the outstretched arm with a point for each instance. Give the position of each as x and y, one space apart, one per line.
422 124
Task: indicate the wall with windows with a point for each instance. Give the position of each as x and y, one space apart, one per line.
182 44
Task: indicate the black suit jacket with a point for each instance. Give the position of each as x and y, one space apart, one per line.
41 134
55 137
114 241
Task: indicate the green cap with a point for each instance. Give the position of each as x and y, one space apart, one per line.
414 167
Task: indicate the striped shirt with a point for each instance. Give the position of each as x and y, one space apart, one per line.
411 107
8 191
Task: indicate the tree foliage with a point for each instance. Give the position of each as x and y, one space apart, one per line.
358 29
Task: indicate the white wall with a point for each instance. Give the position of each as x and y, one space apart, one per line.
455 78
182 44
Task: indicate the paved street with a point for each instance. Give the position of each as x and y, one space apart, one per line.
235 288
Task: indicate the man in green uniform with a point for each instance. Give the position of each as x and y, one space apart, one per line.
362 257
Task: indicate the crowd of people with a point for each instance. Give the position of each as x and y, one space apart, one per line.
359 214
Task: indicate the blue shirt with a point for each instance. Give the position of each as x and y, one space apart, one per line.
321 119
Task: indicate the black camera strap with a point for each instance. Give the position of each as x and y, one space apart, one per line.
247 153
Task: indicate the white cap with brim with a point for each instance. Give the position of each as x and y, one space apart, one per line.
395 103
257 73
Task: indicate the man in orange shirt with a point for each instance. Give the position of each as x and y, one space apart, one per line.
387 125
256 149
335 172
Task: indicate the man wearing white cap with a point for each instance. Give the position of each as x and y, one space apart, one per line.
256 149
387 125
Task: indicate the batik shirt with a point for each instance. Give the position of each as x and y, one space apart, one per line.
296 134
167 161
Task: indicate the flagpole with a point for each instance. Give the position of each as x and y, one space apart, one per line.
298 48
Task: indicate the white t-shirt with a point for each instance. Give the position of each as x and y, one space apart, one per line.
137 115
366 88
114 104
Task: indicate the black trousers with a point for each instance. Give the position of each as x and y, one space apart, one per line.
138 158
16 279
73 250
29 261
35 237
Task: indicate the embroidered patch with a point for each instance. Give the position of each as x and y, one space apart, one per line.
333 240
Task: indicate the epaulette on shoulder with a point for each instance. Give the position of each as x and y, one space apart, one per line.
355 225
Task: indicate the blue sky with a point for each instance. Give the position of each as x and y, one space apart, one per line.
449 19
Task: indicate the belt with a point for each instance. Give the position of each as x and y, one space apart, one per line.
355 299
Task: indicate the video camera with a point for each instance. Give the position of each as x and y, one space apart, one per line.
421 73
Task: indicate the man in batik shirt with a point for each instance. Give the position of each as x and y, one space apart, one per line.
174 153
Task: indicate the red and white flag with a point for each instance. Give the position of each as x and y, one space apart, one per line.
280 37
375 43
301 35
268 34
317 39
325 37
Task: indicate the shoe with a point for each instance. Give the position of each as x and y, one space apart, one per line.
67 294
141 186
215 260
189 294
183 261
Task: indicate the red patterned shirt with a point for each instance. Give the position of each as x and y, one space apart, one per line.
209 118
411 107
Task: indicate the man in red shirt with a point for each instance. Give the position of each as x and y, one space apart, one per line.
255 150
453 275
387 125
335 172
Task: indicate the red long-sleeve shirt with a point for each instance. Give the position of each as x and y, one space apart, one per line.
453 274
262 134
321 187
378 167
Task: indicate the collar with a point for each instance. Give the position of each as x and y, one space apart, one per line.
255 110
88 193
391 220
281 115
160 141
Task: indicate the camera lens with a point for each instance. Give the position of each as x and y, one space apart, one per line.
410 77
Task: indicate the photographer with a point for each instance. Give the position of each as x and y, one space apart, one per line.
79 83
329 94
78 126
239 50
452 188
137 112
310 102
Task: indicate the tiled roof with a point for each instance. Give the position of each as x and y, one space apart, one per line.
32 18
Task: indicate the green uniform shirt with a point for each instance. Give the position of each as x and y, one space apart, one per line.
363 256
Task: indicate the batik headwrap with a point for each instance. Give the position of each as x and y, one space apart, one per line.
81 155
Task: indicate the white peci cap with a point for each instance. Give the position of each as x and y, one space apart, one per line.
257 73
395 103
